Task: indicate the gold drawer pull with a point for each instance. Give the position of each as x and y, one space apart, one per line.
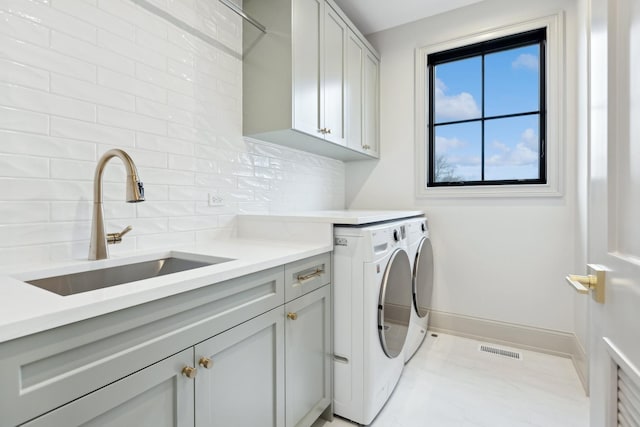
292 316
189 372
306 277
205 362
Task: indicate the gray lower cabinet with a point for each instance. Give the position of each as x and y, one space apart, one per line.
249 352
156 396
240 379
308 355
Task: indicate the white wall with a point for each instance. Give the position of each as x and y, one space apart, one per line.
500 259
78 77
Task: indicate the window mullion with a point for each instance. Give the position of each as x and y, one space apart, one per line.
482 127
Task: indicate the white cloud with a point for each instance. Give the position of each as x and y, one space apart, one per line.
454 107
443 145
524 153
526 61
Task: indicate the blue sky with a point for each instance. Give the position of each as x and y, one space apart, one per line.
511 86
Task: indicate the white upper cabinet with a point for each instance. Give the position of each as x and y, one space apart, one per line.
371 104
299 85
332 83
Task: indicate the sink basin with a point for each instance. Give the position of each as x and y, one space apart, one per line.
74 283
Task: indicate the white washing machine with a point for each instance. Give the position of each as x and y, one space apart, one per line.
421 257
372 311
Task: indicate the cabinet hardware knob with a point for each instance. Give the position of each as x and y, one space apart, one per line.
322 130
366 147
205 362
189 372
328 130
292 316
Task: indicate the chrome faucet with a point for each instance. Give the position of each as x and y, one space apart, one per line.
135 193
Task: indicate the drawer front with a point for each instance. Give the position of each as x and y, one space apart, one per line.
306 275
46 370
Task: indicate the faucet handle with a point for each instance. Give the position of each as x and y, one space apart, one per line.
113 238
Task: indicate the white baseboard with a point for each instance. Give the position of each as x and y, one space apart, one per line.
581 363
547 341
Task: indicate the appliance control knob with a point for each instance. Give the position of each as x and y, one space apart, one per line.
396 236
424 228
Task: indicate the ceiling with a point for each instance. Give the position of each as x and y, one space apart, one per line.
371 16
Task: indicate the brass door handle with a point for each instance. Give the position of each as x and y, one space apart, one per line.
593 282
292 316
205 362
189 372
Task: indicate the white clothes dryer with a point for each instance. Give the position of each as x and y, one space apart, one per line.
421 257
372 311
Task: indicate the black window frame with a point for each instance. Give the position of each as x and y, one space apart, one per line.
481 49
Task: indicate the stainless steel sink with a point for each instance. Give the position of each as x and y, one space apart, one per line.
85 281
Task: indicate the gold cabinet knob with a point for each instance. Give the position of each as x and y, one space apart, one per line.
292 316
189 372
205 362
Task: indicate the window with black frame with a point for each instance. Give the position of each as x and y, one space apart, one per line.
486 112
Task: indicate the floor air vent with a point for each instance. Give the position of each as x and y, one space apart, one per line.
501 352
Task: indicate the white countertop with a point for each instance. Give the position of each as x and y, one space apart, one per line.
26 309
345 217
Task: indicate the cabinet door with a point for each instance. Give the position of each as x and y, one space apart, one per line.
335 35
156 396
306 40
244 385
308 354
371 104
354 93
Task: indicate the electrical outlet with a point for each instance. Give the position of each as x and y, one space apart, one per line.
215 200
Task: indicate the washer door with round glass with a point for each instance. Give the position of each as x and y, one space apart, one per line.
394 304
423 277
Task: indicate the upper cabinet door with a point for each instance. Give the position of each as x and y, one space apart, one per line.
306 40
371 104
354 93
335 36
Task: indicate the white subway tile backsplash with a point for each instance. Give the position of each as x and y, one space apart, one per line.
167 176
32 234
23 29
49 17
123 119
41 145
131 50
23 75
164 47
26 121
93 132
128 11
164 112
45 102
43 189
23 212
163 79
131 85
92 93
164 144
87 11
118 76
24 166
178 162
91 53
192 223
46 59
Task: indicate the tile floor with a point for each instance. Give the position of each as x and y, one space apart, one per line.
450 383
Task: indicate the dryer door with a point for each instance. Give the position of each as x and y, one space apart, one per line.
423 277
394 304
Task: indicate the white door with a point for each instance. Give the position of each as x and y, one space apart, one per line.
614 211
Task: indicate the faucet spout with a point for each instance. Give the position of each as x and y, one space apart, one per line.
134 193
